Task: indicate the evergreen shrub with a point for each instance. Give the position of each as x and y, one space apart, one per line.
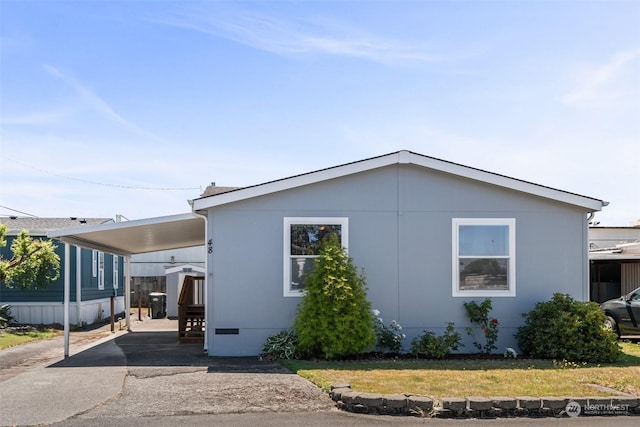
334 318
566 329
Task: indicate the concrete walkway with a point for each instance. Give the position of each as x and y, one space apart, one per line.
146 373
36 392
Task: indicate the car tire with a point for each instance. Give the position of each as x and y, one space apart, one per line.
610 323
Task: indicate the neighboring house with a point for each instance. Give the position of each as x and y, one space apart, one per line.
614 255
429 234
95 277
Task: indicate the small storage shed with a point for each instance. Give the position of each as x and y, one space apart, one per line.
175 278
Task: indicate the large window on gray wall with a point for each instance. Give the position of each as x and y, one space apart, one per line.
484 257
303 237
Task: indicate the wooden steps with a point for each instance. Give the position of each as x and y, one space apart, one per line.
191 321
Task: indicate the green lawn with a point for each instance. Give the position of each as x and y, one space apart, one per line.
461 378
10 338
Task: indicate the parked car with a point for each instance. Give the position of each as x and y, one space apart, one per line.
623 314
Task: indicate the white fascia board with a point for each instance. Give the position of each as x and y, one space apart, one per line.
400 157
88 244
511 183
120 225
295 181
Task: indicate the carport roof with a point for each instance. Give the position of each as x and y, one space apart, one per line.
138 236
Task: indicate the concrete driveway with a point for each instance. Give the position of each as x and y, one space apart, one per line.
148 373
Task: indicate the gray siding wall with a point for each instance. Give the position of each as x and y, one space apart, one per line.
400 232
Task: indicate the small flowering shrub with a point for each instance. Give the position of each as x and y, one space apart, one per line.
510 353
282 345
479 314
436 347
388 338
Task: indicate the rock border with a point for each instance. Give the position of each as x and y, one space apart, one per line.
480 407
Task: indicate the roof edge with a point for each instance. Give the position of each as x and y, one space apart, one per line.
400 157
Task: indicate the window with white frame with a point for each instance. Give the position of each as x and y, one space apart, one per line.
94 263
101 270
115 272
303 237
484 257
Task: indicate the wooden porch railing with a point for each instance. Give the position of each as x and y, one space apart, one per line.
191 322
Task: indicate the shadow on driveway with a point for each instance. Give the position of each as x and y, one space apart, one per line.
162 349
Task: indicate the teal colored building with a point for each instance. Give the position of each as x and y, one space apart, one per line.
95 277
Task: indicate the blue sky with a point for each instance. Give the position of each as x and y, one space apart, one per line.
132 108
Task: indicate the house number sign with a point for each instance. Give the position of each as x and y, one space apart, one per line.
210 246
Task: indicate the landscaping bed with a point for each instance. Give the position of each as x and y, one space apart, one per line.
478 375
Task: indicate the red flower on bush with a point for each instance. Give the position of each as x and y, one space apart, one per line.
494 321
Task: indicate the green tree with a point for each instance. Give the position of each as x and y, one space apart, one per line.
334 317
34 262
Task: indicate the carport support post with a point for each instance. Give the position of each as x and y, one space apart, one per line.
67 290
127 291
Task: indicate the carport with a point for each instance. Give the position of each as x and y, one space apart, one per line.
130 238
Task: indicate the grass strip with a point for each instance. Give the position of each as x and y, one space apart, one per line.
495 377
11 338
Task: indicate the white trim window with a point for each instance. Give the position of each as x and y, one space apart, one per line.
303 237
116 268
484 257
101 270
94 263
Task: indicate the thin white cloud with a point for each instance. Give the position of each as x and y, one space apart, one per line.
35 119
602 85
281 37
96 103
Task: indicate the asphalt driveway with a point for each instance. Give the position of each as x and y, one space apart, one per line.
148 373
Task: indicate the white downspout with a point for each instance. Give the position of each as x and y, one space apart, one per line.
207 276
127 291
67 286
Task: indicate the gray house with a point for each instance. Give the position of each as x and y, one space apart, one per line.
429 234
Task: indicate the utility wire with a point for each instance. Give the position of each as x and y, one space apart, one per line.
15 210
129 187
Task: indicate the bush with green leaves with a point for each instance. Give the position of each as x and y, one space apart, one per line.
388 338
283 345
334 317
5 316
431 346
479 314
566 329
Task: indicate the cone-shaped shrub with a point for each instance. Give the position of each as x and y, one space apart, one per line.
334 317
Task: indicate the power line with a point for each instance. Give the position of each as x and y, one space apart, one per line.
85 181
15 210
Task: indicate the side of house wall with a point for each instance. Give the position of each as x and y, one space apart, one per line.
45 305
400 233
48 313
